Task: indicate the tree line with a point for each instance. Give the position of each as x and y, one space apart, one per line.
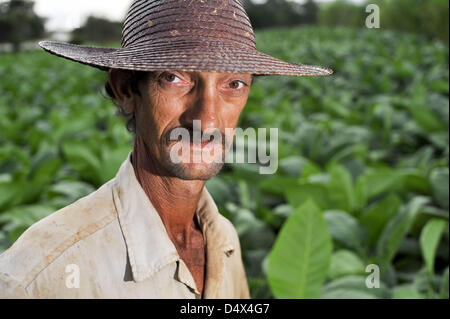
19 21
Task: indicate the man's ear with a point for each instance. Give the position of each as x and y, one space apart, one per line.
120 82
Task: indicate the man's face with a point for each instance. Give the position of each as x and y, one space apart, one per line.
173 100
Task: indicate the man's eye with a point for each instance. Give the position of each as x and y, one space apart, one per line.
170 77
236 85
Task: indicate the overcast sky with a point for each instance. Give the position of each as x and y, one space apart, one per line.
65 15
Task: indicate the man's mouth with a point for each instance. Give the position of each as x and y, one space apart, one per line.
202 144
197 143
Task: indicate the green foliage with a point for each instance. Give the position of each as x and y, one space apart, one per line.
363 167
300 258
347 231
344 263
428 18
60 139
369 146
341 13
429 240
439 184
352 287
395 231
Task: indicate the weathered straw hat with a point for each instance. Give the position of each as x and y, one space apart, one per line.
185 35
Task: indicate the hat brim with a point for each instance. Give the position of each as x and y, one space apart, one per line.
211 56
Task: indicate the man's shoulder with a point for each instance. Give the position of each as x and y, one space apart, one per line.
50 237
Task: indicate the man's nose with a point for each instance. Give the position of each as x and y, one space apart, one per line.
204 107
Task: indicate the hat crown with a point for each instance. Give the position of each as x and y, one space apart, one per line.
187 21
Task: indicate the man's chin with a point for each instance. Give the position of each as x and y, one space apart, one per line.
195 171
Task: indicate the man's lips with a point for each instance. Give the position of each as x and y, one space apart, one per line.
204 145
197 142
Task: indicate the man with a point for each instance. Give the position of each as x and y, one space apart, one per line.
154 230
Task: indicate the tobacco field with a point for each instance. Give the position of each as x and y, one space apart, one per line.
359 206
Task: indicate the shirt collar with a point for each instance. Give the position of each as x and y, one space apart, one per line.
148 244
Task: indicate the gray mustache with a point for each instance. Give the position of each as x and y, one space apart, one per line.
177 133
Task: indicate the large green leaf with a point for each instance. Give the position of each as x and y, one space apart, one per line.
415 181
84 161
299 260
376 182
439 184
347 230
11 193
429 240
423 115
344 263
341 188
293 165
45 167
278 185
309 169
353 287
300 194
67 192
421 281
253 233
377 215
408 291
396 229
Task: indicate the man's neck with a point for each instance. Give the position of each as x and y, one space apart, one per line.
174 199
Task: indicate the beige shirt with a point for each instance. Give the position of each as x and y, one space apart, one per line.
113 244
